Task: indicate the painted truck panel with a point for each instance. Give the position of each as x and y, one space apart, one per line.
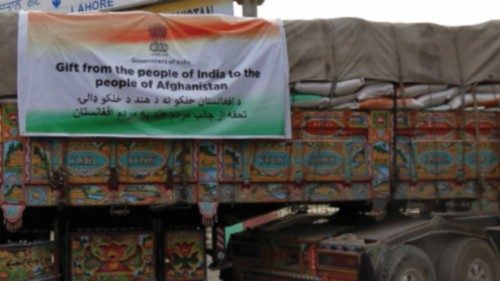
333 156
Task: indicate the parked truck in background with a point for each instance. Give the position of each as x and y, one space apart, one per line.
396 126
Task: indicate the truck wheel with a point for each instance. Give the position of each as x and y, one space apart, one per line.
408 263
468 259
226 274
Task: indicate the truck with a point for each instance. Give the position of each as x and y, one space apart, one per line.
395 126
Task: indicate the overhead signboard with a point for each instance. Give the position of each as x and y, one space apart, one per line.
152 75
69 6
194 7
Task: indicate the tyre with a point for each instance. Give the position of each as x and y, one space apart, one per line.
226 274
468 259
408 263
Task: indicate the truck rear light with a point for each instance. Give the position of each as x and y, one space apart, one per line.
312 261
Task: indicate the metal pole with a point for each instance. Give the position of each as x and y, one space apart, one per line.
250 7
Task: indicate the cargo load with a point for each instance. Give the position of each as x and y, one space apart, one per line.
384 117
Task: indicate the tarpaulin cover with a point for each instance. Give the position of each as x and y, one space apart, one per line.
8 54
341 49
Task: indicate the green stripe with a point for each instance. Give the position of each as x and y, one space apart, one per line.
233 229
262 120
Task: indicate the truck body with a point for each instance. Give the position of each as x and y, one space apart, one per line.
138 209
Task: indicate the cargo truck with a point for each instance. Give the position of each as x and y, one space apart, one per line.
396 126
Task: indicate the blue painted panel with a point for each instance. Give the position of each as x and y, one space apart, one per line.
272 160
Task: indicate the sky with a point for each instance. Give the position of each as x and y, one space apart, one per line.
436 11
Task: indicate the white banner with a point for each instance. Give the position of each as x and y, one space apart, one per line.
147 75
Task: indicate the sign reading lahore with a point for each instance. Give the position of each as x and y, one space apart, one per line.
69 6
73 6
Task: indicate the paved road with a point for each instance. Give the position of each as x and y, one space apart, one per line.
213 275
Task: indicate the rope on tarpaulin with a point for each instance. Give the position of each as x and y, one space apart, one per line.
479 176
394 180
461 172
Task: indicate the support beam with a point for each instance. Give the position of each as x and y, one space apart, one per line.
250 7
